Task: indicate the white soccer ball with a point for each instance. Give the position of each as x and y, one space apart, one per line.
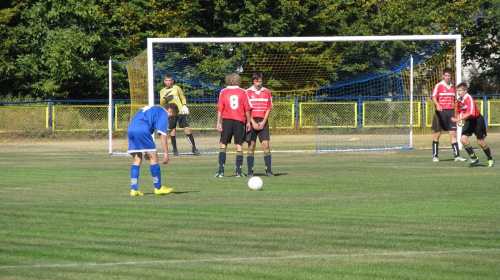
255 183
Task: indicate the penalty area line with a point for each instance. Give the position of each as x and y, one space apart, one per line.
404 253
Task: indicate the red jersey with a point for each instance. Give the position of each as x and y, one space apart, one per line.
445 95
467 105
233 103
261 101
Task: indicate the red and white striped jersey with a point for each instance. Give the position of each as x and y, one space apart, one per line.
445 95
467 105
261 101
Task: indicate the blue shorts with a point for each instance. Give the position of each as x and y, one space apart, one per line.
140 140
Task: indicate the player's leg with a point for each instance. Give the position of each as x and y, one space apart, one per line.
250 138
155 170
435 145
134 174
239 138
452 128
455 147
225 138
172 124
136 143
487 152
481 134
264 137
250 157
468 148
267 158
190 137
437 126
239 160
222 159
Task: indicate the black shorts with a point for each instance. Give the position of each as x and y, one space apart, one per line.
232 128
263 134
182 120
475 126
442 121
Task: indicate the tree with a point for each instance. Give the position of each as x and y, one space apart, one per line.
483 46
60 49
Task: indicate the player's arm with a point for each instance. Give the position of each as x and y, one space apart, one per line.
253 123
459 118
436 103
248 117
182 98
266 116
219 119
164 143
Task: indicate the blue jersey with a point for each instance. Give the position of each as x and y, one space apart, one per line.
152 117
143 125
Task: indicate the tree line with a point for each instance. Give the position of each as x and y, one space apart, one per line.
52 49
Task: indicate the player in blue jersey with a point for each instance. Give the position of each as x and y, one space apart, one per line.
140 140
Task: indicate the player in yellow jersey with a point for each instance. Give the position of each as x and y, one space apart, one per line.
173 94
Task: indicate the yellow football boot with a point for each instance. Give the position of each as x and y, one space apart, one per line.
163 190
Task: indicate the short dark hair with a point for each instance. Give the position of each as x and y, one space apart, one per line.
168 76
462 85
447 70
257 76
172 106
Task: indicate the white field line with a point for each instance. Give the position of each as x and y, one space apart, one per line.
360 255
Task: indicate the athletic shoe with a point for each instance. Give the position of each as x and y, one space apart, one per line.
219 175
175 153
269 173
163 190
136 193
491 162
239 175
250 174
460 159
195 152
435 159
472 161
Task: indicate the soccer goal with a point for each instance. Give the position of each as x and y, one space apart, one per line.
329 93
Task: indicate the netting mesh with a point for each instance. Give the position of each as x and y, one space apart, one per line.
327 90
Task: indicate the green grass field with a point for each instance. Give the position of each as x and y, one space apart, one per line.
66 213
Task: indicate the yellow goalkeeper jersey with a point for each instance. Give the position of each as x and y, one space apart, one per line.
174 96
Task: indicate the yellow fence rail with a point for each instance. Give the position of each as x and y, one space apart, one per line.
285 115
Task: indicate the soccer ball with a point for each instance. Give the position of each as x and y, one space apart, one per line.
255 183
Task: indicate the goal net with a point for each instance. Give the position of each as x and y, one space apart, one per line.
329 93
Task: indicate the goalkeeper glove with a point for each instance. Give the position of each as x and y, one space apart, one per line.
185 110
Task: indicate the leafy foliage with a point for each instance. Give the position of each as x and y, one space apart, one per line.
60 49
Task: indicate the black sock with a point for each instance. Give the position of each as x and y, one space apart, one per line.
222 159
250 161
470 151
191 141
456 149
267 161
174 143
239 161
487 152
435 148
